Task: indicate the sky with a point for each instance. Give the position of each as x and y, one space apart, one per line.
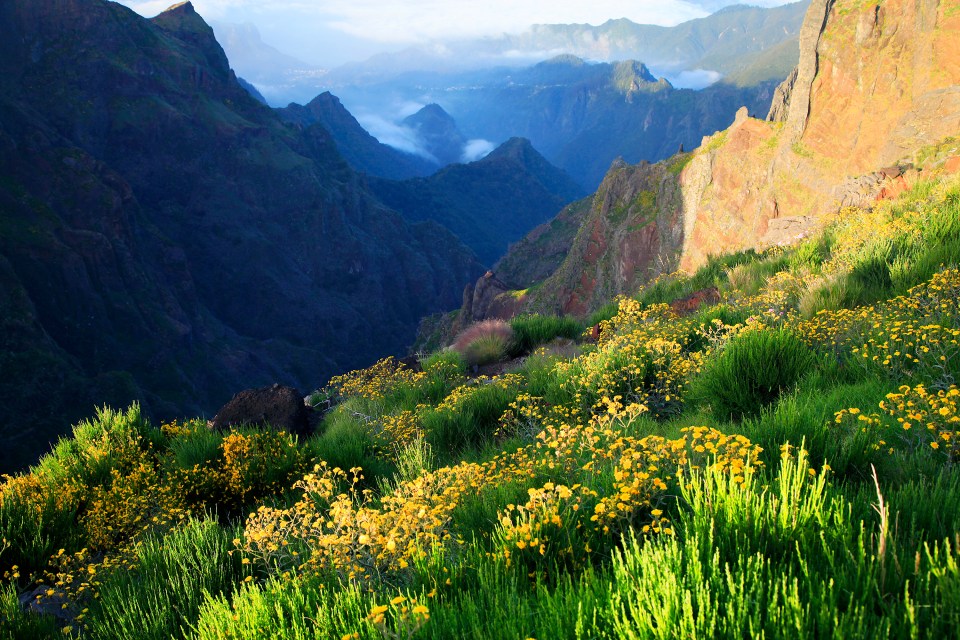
332 32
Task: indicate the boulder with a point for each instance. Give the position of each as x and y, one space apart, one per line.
277 407
690 304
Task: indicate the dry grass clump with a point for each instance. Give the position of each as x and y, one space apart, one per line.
484 342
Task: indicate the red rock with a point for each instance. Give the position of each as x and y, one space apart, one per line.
952 165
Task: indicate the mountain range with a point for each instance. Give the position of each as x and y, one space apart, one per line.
747 44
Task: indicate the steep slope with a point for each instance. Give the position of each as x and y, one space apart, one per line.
164 236
361 150
875 85
488 203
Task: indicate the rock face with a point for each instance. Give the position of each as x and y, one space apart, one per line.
276 407
875 84
631 232
166 238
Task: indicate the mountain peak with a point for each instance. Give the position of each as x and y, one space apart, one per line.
182 17
564 59
183 22
515 148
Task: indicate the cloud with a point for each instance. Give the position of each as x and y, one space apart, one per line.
394 135
475 149
330 27
414 21
694 78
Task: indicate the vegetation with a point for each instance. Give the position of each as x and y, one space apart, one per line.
781 463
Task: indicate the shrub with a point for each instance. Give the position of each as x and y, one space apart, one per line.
486 350
531 331
752 371
484 342
470 413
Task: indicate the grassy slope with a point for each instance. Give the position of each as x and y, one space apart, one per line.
661 483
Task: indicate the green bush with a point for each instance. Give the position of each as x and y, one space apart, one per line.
752 371
531 331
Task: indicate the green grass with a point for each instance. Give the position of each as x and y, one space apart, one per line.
168 586
531 331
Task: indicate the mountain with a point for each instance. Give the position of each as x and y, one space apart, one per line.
438 132
488 203
360 149
876 92
584 116
744 43
165 237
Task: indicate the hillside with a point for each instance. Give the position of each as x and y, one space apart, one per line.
488 203
760 441
600 483
165 237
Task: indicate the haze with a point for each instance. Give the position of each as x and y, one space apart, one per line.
332 32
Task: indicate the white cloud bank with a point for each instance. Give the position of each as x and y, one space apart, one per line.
295 25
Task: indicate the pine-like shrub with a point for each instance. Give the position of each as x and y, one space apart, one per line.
752 371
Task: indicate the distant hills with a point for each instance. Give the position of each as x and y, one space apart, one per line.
489 203
167 238
583 116
743 43
364 152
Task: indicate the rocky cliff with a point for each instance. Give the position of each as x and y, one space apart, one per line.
165 237
876 83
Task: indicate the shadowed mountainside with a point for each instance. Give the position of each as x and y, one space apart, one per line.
360 149
488 203
165 237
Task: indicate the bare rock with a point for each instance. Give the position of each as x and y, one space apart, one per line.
277 407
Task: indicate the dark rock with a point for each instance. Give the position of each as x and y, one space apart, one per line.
410 362
277 407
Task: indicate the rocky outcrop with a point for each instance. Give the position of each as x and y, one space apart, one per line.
276 407
875 84
798 108
781 98
489 298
